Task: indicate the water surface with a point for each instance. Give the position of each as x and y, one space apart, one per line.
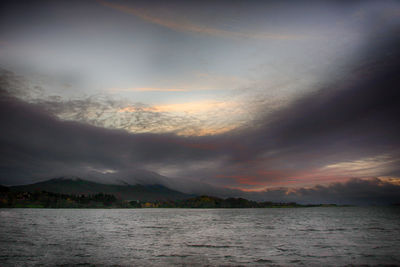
171 237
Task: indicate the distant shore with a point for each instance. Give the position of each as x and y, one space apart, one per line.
44 199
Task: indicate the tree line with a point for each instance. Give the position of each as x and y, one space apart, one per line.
44 199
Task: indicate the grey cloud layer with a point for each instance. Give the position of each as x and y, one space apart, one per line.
354 117
35 143
355 191
346 119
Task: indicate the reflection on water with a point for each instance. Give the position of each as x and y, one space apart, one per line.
160 237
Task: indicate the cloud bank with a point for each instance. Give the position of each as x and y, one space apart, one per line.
337 142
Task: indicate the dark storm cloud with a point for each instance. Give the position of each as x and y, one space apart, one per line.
34 143
348 117
355 191
372 191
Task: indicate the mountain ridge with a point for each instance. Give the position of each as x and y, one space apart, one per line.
77 185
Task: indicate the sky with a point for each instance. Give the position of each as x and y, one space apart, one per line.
271 100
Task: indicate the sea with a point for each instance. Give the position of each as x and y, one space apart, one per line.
318 236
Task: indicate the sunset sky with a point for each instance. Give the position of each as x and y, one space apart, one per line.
258 97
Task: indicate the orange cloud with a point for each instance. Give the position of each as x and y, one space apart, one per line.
244 179
390 179
250 179
190 27
193 107
189 107
135 109
198 118
149 89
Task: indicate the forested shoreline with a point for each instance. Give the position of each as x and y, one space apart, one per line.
44 199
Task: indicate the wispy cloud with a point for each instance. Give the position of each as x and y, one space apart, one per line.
193 81
192 27
188 107
365 167
148 89
191 118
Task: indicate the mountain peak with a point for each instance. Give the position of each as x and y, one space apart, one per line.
125 191
67 178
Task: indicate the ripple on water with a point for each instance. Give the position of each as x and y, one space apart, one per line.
282 237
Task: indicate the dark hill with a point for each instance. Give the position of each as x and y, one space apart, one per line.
124 192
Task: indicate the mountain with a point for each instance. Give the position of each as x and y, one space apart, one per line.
4 188
121 191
